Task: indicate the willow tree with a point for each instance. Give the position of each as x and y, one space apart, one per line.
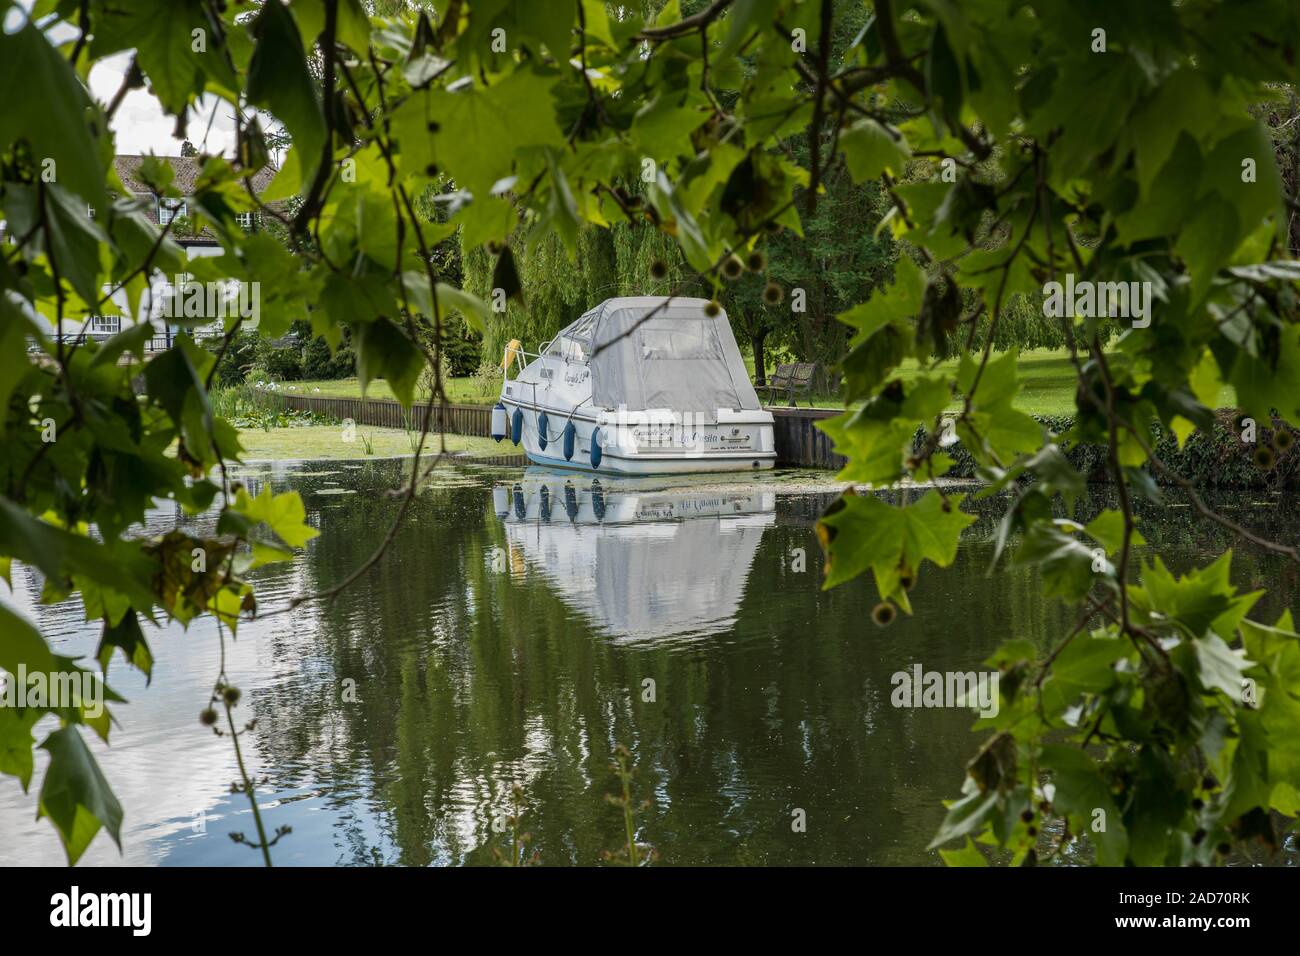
1020 143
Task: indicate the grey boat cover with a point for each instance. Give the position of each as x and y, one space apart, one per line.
656 352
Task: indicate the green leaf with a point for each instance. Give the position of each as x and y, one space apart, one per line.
1201 600
14 363
71 239
1206 243
22 645
480 129
59 554
127 637
16 743
995 431
470 307
873 534
75 796
283 513
279 81
1086 664
1221 668
51 112
1252 198
1182 102
966 815
163 35
1080 792
1108 528
359 299
552 28
884 337
1270 382
871 148
1167 208
384 351
1065 564
968 855
176 384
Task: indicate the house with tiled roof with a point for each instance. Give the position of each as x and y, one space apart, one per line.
162 211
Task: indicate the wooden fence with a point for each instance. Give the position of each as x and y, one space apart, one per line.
798 442
386 413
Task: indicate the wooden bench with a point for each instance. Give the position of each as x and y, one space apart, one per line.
790 379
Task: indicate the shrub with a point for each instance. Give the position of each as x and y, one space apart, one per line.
235 362
463 349
487 378
318 363
281 364
1218 460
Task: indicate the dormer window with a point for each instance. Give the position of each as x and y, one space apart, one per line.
169 209
90 212
245 220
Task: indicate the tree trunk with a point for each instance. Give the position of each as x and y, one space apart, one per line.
760 360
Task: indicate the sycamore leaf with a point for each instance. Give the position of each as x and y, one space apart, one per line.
1221 668
384 351
278 79
1080 791
1202 599
872 534
283 513
966 815
75 795
1108 528
871 148
968 855
883 335
1068 567
50 113
450 299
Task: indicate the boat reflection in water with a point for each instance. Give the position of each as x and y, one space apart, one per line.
642 558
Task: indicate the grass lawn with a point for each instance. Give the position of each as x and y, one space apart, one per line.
315 442
1047 381
460 391
1046 386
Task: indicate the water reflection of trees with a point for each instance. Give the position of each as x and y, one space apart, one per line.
470 681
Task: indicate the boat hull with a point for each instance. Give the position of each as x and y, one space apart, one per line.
661 446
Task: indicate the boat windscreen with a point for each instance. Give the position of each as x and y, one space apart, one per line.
673 356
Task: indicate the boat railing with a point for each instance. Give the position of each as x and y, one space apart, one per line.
524 355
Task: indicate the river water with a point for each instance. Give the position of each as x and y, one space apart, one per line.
523 626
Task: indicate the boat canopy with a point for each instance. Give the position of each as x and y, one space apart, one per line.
655 352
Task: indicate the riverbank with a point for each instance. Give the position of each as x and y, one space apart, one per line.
1047 385
332 443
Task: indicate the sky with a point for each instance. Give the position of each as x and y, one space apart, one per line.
140 126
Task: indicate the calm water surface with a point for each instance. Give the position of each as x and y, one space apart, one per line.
509 638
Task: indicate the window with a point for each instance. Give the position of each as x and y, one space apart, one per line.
245 220
571 350
105 324
90 212
678 339
169 209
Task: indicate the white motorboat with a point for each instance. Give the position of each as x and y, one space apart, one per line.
640 560
645 385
